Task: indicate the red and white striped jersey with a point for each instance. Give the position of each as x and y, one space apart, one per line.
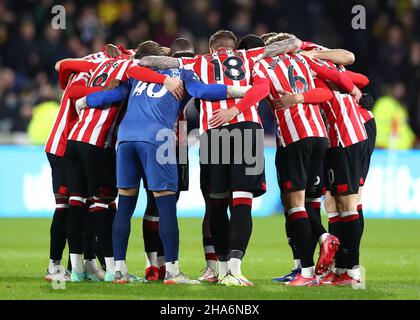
98 126
291 73
66 118
67 115
346 124
366 114
230 67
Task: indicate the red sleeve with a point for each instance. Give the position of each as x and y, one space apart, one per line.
127 52
308 46
326 73
79 90
359 80
68 67
145 74
254 54
259 91
317 95
189 63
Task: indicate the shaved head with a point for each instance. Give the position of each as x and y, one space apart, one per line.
182 47
279 37
265 36
250 41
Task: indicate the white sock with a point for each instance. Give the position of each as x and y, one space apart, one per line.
110 264
212 264
298 265
151 259
54 266
172 267
161 261
323 237
223 268
308 272
121 266
339 271
235 266
354 272
91 266
77 262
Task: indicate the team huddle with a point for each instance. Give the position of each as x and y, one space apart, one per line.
122 121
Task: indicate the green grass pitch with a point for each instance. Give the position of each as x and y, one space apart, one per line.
390 254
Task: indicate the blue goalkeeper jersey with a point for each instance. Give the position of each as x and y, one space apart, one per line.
152 110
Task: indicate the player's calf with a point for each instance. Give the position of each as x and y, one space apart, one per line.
58 235
210 272
121 230
240 229
74 228
219 228
351 232
169 233
301 231
102 214
152 242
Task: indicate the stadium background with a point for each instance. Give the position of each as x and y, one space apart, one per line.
388 51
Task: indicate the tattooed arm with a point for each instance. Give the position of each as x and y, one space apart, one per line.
159 62
337 56
284 46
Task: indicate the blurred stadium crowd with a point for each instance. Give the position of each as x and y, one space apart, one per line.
388 51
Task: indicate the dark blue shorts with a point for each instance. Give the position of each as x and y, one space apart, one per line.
138 160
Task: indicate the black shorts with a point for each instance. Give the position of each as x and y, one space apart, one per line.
58 173
204 180
232 158
368 148
90 170
298 164
343 168
183 177
183 172
316 182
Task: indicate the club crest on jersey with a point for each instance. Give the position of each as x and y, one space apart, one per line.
113 65
274 62
176 73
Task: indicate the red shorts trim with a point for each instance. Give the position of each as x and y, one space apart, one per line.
342 188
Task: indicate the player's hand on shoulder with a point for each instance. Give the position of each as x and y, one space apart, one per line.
310 54
277 104
287 100
175 86
166 51
222 116
80 105
356 93
112 84
112 50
